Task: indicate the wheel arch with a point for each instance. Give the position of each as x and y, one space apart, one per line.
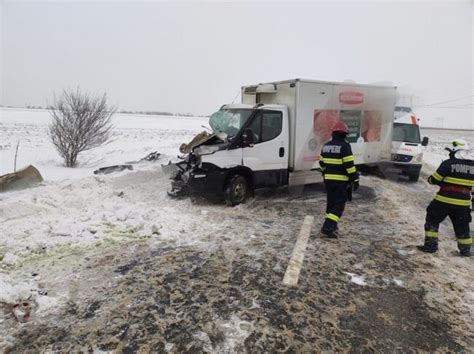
243 171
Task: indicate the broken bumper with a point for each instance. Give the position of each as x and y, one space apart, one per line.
209 180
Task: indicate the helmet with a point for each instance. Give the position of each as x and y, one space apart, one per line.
459 149
340 126
459 144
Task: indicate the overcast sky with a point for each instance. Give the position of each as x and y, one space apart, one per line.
194 56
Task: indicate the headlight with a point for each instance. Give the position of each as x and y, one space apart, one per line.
206 150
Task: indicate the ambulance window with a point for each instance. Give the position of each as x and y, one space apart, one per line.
408 133
271 125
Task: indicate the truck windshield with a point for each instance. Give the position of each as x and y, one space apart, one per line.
407 133
229 121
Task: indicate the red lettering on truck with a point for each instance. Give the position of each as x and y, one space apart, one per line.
351 97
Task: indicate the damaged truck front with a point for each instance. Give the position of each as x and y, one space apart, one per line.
212 163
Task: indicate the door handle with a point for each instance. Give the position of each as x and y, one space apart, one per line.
282 152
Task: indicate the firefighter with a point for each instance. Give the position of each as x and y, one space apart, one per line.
337 165
455 177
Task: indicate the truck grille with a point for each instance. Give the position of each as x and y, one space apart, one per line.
401 158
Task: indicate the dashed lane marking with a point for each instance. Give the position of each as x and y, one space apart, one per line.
296 261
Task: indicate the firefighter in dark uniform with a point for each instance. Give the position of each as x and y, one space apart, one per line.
337 165
455 177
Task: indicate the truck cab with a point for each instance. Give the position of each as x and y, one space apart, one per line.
248 149
407 145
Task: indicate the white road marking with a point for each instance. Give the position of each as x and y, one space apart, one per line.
296 261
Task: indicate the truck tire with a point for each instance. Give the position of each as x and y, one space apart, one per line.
236 190
414 177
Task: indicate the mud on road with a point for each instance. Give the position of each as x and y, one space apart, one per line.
367 291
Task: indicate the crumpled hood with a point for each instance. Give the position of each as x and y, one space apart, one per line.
202 138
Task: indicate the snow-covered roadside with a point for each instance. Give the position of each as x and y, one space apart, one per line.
66 211
133 137
74 207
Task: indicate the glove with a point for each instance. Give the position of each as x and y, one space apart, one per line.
355 185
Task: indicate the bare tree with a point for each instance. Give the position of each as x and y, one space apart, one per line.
80 122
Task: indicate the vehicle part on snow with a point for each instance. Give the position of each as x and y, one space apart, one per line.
152 156
110 169
23 178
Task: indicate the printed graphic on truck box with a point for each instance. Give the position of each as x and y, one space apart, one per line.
364 126
352 119
323 121
371 126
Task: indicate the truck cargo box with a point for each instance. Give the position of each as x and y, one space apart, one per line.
315 106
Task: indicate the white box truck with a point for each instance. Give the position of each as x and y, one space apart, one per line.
407 145
274 137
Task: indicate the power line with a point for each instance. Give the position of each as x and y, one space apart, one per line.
442 102
448 107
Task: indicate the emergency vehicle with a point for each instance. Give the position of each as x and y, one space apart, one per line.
407 145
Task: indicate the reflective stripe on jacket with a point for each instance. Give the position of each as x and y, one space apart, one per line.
337 161
456 179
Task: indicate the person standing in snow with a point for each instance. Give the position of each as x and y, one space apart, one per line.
455 177
337 165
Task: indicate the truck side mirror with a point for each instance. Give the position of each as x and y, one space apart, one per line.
247 137
425 141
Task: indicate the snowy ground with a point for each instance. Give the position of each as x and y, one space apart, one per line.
109 262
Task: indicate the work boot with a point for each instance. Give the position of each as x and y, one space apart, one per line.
330 234
427 249
465 252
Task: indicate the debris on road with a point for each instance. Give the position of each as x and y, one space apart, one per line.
110 169
151 157
24 178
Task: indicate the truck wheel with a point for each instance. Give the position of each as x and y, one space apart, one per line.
236 190
414 177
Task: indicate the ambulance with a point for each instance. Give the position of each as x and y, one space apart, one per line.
407 145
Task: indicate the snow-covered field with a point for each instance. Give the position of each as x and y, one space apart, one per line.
133 138
61 241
